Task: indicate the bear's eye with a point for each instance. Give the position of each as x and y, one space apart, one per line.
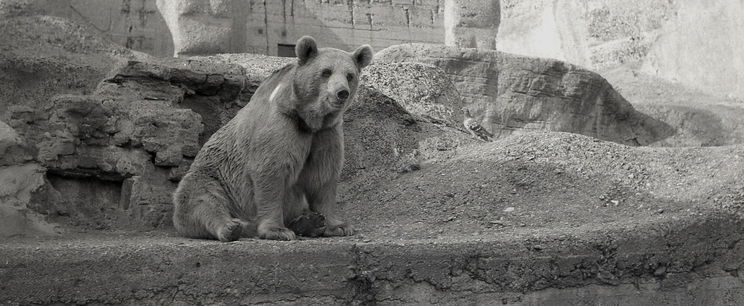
349 77
326 73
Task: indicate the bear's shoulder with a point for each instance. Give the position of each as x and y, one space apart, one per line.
271 82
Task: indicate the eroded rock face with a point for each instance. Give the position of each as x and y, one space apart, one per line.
113 147
41 56
193 36
13 149
471 24
21 182
516 93
653 35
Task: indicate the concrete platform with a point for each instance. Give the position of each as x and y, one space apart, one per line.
671 259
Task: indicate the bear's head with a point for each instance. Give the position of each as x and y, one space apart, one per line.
326 81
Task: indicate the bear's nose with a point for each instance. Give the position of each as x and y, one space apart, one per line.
342 94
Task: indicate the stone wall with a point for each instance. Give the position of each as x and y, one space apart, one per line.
346 24
261 26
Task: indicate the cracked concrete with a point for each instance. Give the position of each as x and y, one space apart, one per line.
684 259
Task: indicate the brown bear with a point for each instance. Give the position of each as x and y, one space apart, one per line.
280 157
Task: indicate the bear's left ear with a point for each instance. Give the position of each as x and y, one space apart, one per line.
305 49
363 56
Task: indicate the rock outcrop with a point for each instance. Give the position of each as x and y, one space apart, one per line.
112 147
134 136
111 154
510 93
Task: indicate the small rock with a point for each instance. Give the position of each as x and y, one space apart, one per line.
509 209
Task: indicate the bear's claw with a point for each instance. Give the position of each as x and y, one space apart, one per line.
342 229
277 233
230 231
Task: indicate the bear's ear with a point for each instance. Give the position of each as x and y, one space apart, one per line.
305 49
363 56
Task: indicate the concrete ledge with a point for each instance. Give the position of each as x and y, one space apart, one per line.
680 259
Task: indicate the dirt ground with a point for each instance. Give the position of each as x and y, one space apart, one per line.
547 180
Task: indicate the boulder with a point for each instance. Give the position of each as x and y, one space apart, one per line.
653 35
509 93
421 89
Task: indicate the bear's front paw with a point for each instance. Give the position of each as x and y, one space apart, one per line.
338 228
276 233
230 231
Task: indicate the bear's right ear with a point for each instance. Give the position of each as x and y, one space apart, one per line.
305 49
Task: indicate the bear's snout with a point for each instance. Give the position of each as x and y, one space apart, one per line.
342 95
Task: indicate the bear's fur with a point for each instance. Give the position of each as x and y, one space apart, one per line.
281 155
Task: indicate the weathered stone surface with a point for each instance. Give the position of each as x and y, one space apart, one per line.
516 93
20 181
471 24
272 27
20 187
114 149
12 8
41 56
654 35
699 118
13 149
421 89
205 27
136 25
